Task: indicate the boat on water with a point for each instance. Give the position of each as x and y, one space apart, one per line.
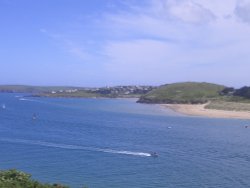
34 117
3 106
153 154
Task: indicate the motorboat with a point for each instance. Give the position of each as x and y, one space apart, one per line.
153 154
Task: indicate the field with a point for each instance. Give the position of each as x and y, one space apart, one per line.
230 106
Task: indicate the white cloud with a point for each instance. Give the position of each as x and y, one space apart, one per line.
189 11
168 40
242 10
179 40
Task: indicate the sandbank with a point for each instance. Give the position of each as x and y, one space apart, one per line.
200 110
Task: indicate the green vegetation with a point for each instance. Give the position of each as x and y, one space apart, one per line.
32 89
77 94
243 92
18 179
83 92
227 105
220 97
183 93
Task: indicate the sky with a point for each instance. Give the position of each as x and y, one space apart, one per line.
124 42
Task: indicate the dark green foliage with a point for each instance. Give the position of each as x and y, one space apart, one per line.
183 93
17 179
229 91
238 94
243 92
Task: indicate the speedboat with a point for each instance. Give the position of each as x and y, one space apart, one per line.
3 106
153 154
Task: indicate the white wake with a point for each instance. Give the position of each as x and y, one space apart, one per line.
75 147
25 99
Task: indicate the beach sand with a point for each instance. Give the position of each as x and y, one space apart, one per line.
199 110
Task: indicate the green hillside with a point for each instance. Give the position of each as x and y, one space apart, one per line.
183 93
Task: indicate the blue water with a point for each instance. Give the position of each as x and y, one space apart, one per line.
106 143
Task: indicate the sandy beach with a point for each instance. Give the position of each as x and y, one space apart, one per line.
199 110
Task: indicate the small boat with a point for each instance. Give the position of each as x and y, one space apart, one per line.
3 106
153 154
34 116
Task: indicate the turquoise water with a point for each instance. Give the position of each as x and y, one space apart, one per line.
106 143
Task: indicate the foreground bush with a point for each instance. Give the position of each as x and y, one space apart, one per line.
18 179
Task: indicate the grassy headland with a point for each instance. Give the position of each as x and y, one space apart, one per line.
179 96
183 93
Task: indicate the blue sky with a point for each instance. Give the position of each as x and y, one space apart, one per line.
124 42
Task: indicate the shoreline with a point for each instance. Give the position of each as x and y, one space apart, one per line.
195 110
201 111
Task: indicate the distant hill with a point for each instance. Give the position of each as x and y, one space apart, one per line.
183 93
32 89
81 92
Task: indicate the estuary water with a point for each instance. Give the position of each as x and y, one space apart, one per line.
106 143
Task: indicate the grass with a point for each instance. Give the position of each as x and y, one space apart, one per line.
230 106
181 93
